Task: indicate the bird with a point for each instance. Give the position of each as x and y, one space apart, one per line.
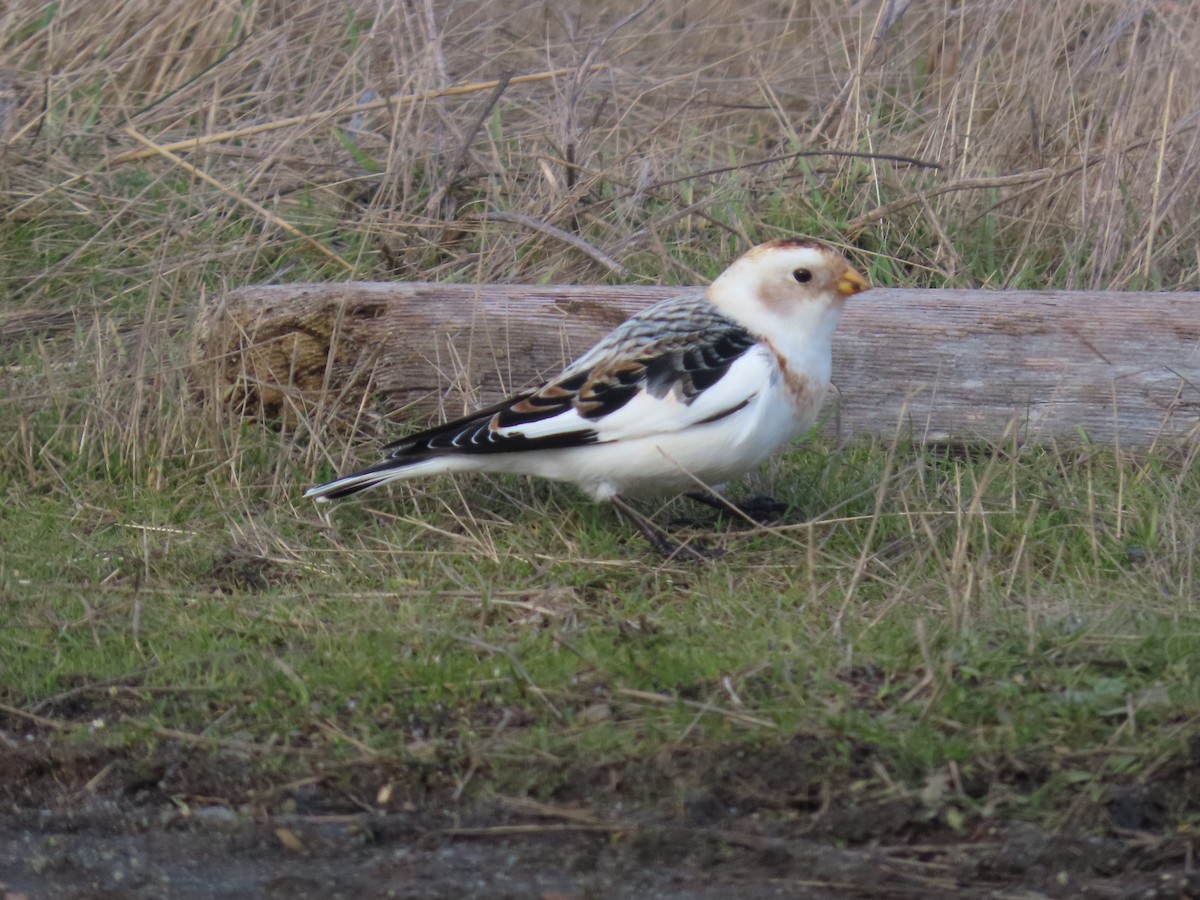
696 389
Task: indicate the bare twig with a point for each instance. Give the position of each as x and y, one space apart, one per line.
240 198
558 234
287 122
837 154
186 737
350 109
464 149
962 184
501 830
668 700
648 189
14 711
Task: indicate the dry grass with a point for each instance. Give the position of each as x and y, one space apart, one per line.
1064 137
959 609
1090 105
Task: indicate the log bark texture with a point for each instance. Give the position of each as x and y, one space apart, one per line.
940 364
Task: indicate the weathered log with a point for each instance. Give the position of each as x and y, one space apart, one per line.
947 364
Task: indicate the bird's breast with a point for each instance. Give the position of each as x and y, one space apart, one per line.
801 382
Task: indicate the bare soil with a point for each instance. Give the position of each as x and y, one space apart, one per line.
80 821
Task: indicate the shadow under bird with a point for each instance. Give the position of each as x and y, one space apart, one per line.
694 390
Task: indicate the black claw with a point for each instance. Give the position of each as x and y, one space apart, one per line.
659 541
762 509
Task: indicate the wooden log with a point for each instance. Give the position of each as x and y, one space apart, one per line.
945 364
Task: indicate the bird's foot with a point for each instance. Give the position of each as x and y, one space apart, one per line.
764 509
761 508
670 549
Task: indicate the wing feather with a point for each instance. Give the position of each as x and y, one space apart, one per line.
653 368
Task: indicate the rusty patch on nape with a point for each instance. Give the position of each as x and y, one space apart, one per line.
799 389
790 244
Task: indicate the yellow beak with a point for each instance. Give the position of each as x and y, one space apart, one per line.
852 283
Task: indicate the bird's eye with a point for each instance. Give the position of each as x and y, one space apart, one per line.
802 275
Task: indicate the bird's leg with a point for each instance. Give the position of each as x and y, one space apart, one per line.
656 538
762 509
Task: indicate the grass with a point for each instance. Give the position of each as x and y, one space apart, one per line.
1001 632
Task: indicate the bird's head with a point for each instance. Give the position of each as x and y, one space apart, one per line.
785 277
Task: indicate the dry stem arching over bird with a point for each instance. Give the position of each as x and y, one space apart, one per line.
694 390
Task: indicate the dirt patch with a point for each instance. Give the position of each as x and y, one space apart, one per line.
783 819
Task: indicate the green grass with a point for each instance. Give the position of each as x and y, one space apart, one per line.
971 611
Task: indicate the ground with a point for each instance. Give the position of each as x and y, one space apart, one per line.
963 669
198 823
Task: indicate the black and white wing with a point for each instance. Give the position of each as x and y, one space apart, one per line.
672 366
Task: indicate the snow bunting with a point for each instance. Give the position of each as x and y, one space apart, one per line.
696 389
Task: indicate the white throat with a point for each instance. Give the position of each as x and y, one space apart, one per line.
801 332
